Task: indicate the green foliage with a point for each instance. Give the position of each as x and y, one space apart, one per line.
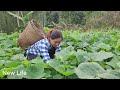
24 19
72 17
76 20
88 55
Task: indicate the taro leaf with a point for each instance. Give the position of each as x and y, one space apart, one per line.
74 36
70 48
9 54
47 73
3 37
113 62
118 64
2 52
118 44
63 44
117 52
13 35
108 38
2 62
110 74
82 37
8 50
19 73
100 56
73 76
102 64
82 56
35 71
4 58
26 63
12 63
37 60
107 76
71 55
6 71
93 49
104 46
70 43
84 44
16 50
108 67
18 57
60 68
58 76
96 43
7 43
68 66
88 70
115 72
66 53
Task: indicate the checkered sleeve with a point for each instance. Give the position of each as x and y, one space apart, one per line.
44 52
33 50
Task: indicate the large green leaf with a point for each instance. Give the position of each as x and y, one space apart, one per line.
88 70
100 56
18 57
115 72
37 60
6 71
8 50
2 62
113 62
118 44
66 53
63 44
107 76
93 48
2 52
25 63
118 64
82 56
12 63
70 43
110 74
74 36
7 43
47 73
60 68
58 76
16 50
104 46
19 73
83 44
35 71
3 36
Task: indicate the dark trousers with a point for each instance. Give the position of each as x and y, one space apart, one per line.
33 56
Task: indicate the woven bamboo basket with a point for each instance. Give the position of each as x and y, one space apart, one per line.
31 34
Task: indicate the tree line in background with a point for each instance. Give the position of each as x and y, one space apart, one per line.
12 21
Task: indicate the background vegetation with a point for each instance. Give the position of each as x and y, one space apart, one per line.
11 21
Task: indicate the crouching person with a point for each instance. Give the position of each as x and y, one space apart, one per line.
47 47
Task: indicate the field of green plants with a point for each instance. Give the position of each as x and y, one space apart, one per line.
84 55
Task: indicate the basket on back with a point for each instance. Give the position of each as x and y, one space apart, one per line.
31 34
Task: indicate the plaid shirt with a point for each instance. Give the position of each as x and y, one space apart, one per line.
41 48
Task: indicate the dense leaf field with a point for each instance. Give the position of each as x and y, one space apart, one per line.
84 55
